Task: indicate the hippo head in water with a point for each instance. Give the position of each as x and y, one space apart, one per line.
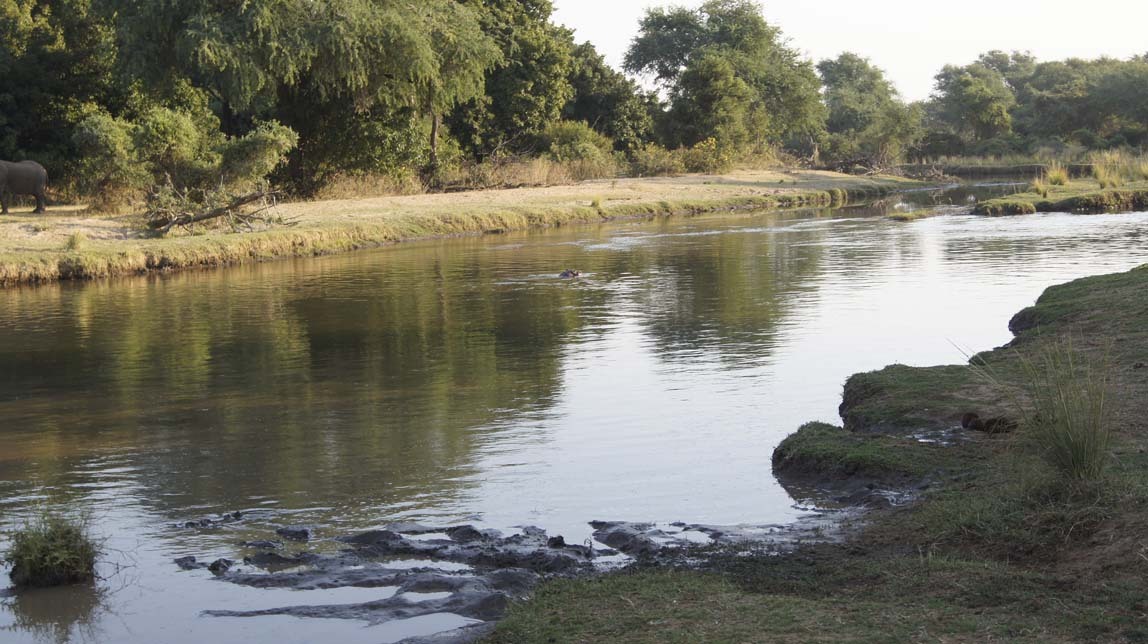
570 273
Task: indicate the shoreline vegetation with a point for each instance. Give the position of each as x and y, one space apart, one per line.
69 244
1026 522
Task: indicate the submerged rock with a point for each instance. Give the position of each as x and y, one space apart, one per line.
295 533
479 571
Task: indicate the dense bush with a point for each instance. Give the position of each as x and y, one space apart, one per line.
52 550
653 160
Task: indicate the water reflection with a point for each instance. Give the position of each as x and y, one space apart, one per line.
463 381
53 616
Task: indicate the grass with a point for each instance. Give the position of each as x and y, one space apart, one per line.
1069 423
1056 175
52 550
1081 196
114 246
1036 536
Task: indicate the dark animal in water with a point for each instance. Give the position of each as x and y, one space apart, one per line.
24 178
570 273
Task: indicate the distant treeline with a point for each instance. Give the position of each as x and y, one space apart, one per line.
117 97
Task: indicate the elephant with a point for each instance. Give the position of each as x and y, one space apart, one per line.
23 178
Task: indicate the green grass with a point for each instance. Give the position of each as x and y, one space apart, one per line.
1069 423
52 550
1081 197
829 452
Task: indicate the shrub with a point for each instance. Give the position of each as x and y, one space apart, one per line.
655 161
1069 421
249 158
110 171
707 156
52 550
584 153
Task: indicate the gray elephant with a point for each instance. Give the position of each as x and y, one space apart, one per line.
24 178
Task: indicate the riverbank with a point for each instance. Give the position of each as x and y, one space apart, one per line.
1079 196
999 546
69 244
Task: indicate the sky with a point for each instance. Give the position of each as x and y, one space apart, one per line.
910 39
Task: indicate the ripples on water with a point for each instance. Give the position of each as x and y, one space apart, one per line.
462 381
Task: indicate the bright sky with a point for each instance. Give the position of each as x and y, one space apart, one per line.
910 39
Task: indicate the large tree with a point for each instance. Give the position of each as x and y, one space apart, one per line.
527 89
608 101
312 64
56 67
973 101
678 43
867 122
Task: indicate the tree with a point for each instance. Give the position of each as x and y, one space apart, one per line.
527 89
611 103
867 121
56 60
677 43
973 102
303 62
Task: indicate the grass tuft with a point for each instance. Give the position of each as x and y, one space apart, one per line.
52 550
1069 421
1057 174
76 242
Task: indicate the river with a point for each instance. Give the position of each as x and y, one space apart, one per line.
463 381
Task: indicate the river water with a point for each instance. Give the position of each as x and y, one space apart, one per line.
462 381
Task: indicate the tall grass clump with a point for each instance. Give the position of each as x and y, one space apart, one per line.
1040 187
1057 174
1069 418
52 550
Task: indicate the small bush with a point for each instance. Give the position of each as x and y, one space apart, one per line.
52 550
1057 174
655 161
708 157
1069 421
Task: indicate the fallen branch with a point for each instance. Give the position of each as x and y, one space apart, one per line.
163 218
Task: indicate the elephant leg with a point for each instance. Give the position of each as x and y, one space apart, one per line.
3 202
40 203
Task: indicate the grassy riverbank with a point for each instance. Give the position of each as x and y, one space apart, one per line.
1001 545
1083 196
68 244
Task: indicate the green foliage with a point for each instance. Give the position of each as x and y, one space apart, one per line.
248 159
611 103
57 60
1069 423
973 102
708 156
52 550
867 122
725 65
653 160
109 166
528 89
586 153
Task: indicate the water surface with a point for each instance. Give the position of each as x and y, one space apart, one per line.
462 381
